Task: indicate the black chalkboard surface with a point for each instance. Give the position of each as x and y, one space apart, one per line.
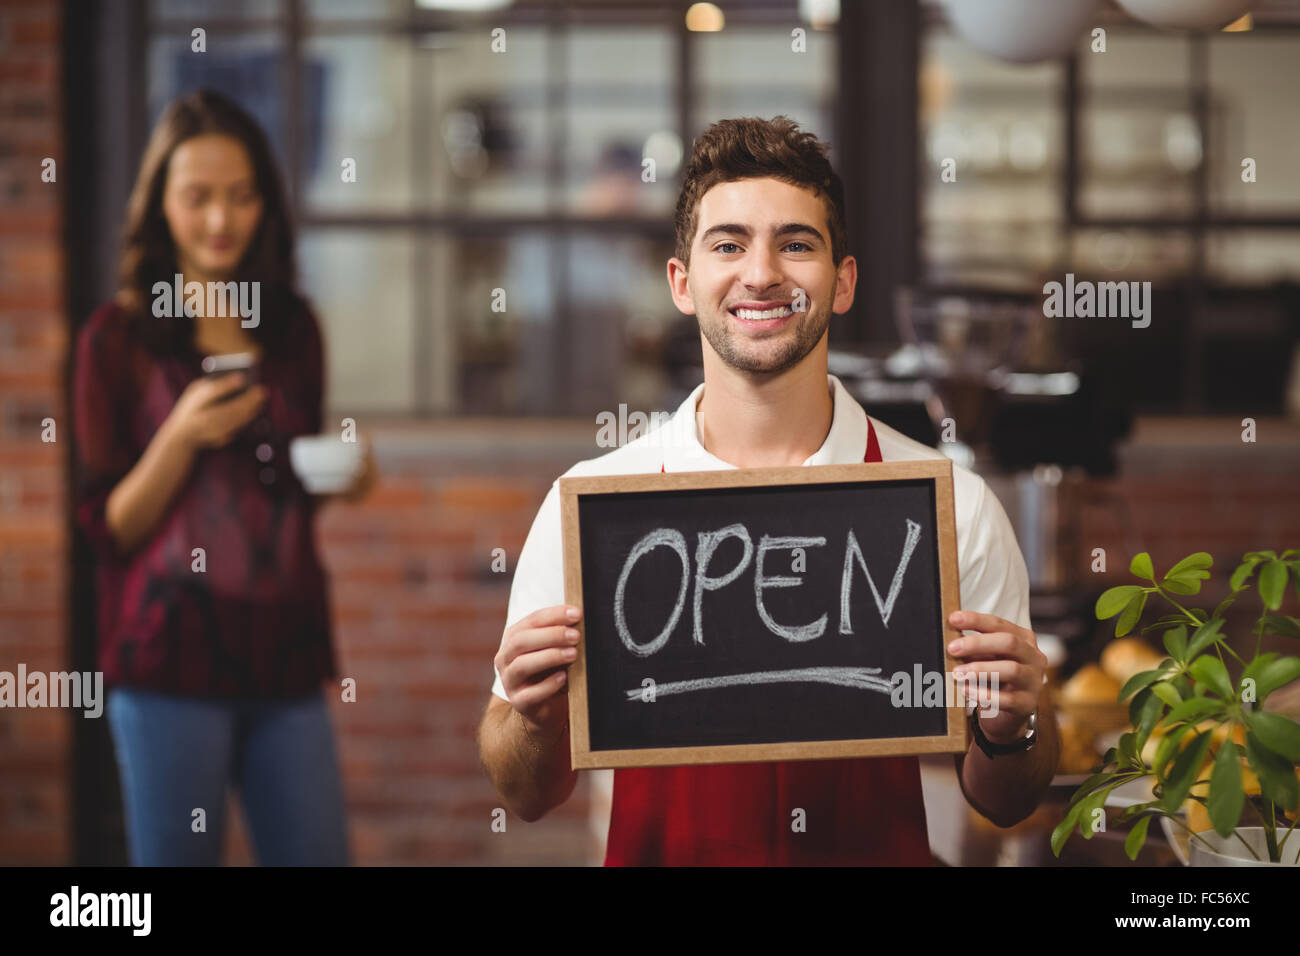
762 614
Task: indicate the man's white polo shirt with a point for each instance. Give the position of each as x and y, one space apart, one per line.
992 570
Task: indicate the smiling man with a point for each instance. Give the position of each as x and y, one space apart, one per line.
761 262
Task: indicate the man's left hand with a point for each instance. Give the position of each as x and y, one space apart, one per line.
1010 652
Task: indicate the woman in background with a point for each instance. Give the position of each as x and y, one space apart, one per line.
214 629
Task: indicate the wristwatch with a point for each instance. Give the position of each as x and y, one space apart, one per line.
998 750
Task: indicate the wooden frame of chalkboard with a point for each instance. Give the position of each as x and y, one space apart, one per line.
939 728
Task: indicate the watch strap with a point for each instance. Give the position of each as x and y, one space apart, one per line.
992 749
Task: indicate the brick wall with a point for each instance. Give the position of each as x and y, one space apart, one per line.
1191 485
34 744
418 612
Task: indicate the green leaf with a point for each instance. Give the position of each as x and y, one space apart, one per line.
1132 614
1193 579
1277 780
1136 837
1090 784
1088 806
1128 814
1065 829
1165 750
1176 643
1113 600
1181 585
1276 674
1183 774
1280 624
1210 672
1279 734
1223 606
1193 709
1151 709
1127 745
1244 571
1204 636
1272 583
1226 795
1141 566
1167 693
1138 681
1256 667
1193 562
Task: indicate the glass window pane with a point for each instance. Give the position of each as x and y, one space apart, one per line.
621 315
356 9
611 341
1112 254
357 106
752 71
360 282
489 134
997 128
487 360
1139 145
1253 257
1254 92
215 9
247 68
619 112
997 254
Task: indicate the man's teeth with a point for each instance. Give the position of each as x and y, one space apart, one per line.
755 315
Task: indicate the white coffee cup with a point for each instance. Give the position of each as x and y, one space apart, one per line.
325 464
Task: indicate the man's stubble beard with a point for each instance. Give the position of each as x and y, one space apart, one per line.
730 348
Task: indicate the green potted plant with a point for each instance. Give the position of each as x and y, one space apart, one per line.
1212 729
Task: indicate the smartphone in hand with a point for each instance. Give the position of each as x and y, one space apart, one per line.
215 366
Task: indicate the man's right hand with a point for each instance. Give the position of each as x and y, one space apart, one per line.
533 663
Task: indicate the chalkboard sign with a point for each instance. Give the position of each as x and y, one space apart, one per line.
762 614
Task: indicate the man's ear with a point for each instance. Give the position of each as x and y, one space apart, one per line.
846 281
677 286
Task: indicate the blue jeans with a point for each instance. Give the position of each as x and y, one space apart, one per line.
179 754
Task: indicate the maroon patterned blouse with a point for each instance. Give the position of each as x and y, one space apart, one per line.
254 622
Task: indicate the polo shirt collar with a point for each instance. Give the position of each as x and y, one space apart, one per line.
844 445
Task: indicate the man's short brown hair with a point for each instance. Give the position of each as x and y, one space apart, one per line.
750 148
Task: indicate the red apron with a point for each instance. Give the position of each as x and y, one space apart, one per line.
860 811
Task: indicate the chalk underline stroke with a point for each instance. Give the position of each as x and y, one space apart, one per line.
862 678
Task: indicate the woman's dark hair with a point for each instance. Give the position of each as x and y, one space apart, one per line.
149 254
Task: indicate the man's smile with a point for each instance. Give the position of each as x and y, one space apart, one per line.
761 315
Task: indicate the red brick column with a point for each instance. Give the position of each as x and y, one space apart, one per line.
34 743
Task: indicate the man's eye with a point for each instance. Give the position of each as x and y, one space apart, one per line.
718 248
806 247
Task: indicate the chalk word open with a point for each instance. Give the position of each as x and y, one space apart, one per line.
707 543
